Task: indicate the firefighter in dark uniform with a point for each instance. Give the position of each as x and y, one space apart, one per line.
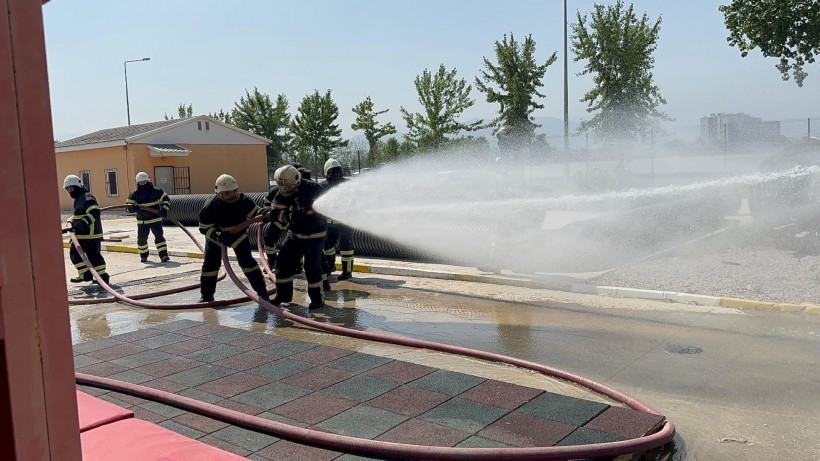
147 197
221 213
293 207
87 227
338 235
274 231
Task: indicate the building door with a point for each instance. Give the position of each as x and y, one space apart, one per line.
164 176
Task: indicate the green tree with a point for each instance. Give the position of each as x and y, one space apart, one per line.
787 29
518 78
222 116
255 112
444 98
373 131
315 131
183 111
618 48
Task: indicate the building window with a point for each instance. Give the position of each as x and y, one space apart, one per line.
85 175
199 126
111 183
207 126
182 180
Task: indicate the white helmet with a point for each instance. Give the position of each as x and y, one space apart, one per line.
72 180
143 176
331 163
287 177
225 183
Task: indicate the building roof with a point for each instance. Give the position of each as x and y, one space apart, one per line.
116 134
170 148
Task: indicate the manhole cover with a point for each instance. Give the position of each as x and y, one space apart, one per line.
683 349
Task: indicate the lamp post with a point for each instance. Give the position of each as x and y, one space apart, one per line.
125 70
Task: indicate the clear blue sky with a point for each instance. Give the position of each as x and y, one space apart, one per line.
207 53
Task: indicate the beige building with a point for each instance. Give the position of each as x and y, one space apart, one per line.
182 156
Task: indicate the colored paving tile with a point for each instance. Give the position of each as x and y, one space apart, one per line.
338 391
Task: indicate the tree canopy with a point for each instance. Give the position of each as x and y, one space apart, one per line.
366 121
618 49
786 29
314 127
255 112
444 98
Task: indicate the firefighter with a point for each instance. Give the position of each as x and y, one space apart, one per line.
338 235
293 207
273 231
221 213
87 227
151 206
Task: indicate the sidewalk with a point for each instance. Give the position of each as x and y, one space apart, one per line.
120 236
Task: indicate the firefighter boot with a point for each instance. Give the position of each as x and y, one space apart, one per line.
284 293
207 288
317 298
258 284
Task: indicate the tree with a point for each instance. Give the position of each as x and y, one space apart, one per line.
222 116
183 111
788 29
366 121
257 113
618 48
518 78
314 128
443 98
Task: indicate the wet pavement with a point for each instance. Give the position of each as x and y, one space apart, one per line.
739 385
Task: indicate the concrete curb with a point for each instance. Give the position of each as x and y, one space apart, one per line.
581 288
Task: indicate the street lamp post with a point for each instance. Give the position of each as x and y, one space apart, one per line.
125 70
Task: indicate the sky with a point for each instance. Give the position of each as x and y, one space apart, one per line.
208 53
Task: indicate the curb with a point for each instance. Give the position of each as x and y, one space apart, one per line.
581 288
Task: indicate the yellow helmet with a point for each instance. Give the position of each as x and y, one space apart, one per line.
225 183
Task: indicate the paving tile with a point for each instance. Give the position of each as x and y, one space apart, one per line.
481 442
129 399
569 410
228 335
199 375
84 361
419 432
181 429
147 415
131 376
116 401
240 407
161 409
200 423
522 430
463 415
169 366
281 419
202 396
142 358
270 396
223 445
500 394
321 354
279 369
285 449
233 384
165 385
90 390
198 329
246 360
313 408
447 382
362 421
257 340
214 354
91 346
625 422
176 325
402 372
138 334
409 401
158 341
584 436
115 352
102 369
187 346
318 377
358 362
360 388
243 438
286 348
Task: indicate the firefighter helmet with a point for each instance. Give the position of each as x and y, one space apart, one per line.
331 163
143 176
225 183
287 178
72 180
